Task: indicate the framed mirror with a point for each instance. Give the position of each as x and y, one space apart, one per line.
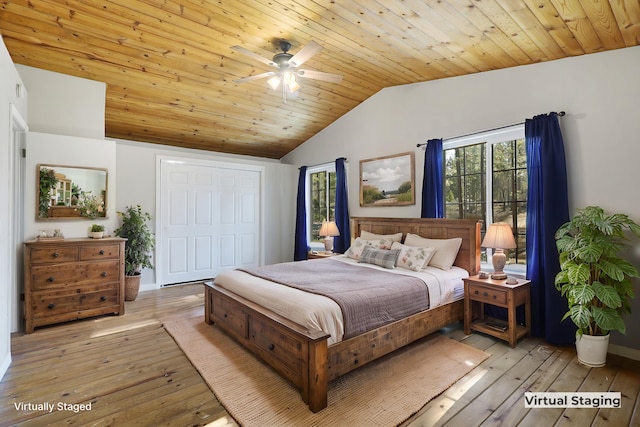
70 192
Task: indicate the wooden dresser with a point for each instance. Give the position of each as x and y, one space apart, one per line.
72 279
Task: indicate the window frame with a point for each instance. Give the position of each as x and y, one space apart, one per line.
507 133
325 167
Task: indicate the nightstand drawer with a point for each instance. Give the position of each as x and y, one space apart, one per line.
487 294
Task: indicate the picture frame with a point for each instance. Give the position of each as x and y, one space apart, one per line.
388 181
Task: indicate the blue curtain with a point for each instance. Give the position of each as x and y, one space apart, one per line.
547 210
342 242
432 190
301 247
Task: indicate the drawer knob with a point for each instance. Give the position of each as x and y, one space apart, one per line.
56 254
484 294
271 347
101 252
51 278
51 306
103 298
225 315
494 297
104 274
476 292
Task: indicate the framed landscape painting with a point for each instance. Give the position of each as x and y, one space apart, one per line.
387 181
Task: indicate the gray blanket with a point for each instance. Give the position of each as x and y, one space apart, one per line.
368 298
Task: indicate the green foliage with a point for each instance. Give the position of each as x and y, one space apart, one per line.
140 240
593 278
370 194
90 206
95 228
48 181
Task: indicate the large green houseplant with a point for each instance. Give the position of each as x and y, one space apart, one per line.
593 277
137 252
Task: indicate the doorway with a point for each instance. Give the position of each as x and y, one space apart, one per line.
17 146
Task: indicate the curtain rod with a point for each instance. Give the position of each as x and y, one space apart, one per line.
327 163
561 114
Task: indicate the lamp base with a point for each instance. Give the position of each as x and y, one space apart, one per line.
498 276
328 243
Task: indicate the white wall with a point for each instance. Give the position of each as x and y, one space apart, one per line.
45 148
9 79
64 105
599 92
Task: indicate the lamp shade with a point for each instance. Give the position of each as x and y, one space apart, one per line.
329 228
499 235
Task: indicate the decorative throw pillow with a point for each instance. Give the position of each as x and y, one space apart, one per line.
382 257
355 250
413 258
446 249
370 236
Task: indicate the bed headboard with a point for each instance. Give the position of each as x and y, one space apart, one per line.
432 228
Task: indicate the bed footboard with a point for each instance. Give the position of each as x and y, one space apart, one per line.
297 353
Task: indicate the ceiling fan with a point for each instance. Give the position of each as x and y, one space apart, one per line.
287 64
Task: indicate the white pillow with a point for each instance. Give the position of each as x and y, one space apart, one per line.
446 249
370 236
358 245
411 257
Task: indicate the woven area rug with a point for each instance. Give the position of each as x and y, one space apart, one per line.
383 393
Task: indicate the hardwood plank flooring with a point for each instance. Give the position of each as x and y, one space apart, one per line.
132 373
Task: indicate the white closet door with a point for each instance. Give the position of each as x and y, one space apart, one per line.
209 220
238 214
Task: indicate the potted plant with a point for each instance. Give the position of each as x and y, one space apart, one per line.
137 252
96 231
594 278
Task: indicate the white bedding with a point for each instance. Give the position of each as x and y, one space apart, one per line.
317 311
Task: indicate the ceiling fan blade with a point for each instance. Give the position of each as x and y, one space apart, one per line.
244 51
256 77
304 54
319 75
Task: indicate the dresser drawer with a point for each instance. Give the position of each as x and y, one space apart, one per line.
487 294
98 300
229 315
103 271
278 346
97 252
51 254
57 276
49 305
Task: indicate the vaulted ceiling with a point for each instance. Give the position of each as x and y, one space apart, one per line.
170 69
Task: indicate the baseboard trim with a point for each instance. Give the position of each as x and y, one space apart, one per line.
5 365
620 350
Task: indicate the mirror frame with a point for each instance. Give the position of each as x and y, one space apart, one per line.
72 208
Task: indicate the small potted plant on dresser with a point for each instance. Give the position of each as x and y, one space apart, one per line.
595 279
96 231
140 243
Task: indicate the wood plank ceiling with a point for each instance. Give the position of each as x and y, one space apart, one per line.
170 69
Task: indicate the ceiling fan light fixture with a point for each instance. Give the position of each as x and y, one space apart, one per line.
273 82
290 81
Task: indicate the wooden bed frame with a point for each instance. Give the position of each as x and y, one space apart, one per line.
302 355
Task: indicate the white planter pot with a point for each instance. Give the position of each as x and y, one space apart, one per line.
96 234
592 349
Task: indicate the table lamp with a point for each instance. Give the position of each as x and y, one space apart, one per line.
499 237
328 230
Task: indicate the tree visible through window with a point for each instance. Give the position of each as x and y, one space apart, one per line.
487 180
322 199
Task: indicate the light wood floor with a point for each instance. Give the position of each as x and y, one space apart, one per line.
133 373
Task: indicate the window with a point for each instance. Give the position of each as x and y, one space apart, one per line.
485 178
321 199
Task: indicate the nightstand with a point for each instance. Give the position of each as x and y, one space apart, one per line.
478 292
320 254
